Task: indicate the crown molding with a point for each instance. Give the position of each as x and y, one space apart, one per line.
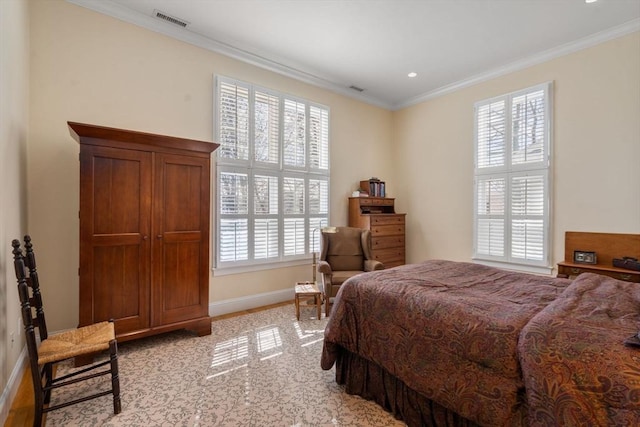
127 15
566 49
117 11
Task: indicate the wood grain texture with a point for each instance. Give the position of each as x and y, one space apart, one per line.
607 246
377 214
144 230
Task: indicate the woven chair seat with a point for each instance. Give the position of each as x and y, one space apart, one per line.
81 341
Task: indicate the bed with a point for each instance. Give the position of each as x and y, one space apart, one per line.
458 344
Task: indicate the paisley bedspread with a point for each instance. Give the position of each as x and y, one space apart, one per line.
575 368
448 330
496 347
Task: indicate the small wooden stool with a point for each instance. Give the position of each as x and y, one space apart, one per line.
306 290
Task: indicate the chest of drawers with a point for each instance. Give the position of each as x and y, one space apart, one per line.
387 228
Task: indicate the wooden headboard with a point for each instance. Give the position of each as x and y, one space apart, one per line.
607 246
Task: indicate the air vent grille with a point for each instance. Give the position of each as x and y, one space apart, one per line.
161 15
356 88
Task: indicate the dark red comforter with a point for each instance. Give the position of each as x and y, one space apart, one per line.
575 368
450 331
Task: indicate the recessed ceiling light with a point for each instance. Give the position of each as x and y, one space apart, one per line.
412 74
590 1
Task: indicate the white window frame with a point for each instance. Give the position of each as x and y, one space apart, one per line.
251 167
508 171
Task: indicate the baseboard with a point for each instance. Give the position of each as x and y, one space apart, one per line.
9 392
234 305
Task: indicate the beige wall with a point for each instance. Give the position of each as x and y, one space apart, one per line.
14 90
596 147
91 68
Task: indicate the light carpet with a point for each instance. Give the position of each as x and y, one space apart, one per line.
258 369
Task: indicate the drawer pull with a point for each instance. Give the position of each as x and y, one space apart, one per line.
625 277
575 270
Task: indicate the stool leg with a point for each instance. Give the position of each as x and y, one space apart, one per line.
319 306
297 302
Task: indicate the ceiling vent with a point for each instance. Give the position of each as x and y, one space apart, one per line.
356 88
169 18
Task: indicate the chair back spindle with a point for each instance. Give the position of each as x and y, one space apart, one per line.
25 307
36 296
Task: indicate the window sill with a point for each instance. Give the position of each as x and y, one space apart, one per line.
252 268
534 269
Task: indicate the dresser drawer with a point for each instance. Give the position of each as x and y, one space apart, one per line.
387 219
389 255
570 271
387 242
387 230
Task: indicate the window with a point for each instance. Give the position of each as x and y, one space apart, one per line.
273 175
512 163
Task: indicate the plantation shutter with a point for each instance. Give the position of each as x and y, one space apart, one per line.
491 216
294 133
266 222
294 223
233 121
491 135
527 217
318 138
234 202
267 128
512 152
273 177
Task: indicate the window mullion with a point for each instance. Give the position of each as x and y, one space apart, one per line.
307 168
307 138
281 178
307 211
251 214
508 168
508 218
251 175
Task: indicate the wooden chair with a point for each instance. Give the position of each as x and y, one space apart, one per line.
53 349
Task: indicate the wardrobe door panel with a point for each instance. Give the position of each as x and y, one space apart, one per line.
181 230
115 202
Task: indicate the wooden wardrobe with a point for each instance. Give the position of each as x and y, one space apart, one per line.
144 230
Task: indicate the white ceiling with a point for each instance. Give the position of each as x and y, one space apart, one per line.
374 44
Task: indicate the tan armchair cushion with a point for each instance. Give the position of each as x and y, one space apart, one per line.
345 262
344 249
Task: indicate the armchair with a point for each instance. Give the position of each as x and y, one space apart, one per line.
344 254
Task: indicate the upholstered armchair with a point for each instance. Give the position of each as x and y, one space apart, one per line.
344 254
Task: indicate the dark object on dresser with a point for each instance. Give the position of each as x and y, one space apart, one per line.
628 263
